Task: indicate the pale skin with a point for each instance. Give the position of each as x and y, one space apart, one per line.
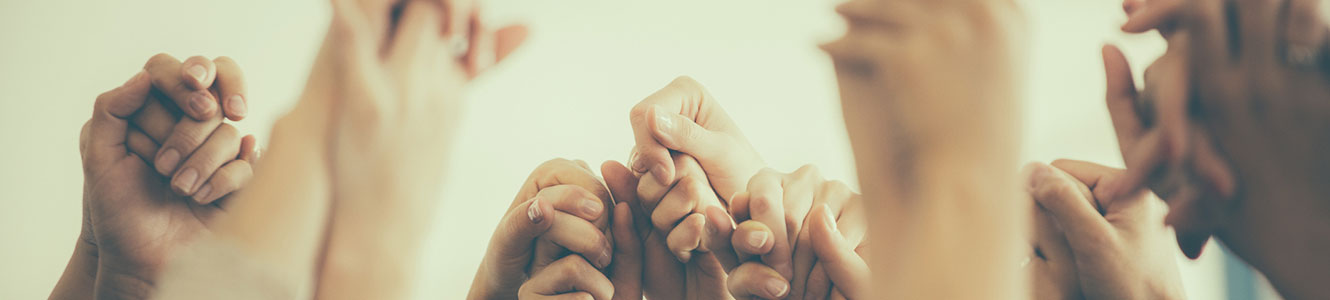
349 231
920 94
134 218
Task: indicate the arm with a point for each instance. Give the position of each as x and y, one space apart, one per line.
932 111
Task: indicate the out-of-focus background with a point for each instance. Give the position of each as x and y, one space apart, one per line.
566 93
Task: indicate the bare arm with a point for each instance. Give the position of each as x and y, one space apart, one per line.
930 91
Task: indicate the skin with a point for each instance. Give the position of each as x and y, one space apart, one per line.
573 277
133 217
562 209
1259 85
686 235
1118 248
932 197
354 230
828 262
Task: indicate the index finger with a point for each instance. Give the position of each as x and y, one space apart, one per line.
167 77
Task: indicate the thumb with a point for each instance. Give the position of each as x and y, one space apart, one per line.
1066 199
627 266
108 129
514 241
679 133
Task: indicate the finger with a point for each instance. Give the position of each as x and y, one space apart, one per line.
107 131
513 242
221 147
187 135
1213 169
818 285
680 133
417 36
480 55
1146 159
651 155
1209 33
156 120
141 145
1156 14
1064 198
686 237
231 86
627 265
560 171
231 176
1187 216
167 77
766 205
1258 20
581 237
1304 32
1121 97
623 186
720 227
508 39
663 266
570 274
756 280
457 18
574 200
848 272
198 73
678 203
752 238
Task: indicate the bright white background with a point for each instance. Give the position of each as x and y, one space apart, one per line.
565 94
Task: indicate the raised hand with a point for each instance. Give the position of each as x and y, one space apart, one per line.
685 235
561 210
684 117
1115 248
814 258
134 221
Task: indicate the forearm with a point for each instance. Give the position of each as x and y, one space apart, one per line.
79 278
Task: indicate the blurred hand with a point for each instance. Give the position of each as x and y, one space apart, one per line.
814 259
561 209
684 117
395 83
1120 247
133 220
686 235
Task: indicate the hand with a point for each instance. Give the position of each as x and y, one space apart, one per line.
561 208
133 220
824 262
1118 247
686 238
684 117
396 97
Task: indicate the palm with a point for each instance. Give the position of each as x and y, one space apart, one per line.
138 220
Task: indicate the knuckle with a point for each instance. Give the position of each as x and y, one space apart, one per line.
158 59
224 60
807 172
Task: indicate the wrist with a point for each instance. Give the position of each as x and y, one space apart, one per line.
79 278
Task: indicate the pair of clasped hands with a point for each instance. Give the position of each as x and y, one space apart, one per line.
696 216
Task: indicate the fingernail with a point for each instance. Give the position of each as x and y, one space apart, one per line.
591 207
236 105
200 103
684 256
533 212
198 72
757 239
603 260
167 161
202 195
664 123
185 181
1037 175
776 287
